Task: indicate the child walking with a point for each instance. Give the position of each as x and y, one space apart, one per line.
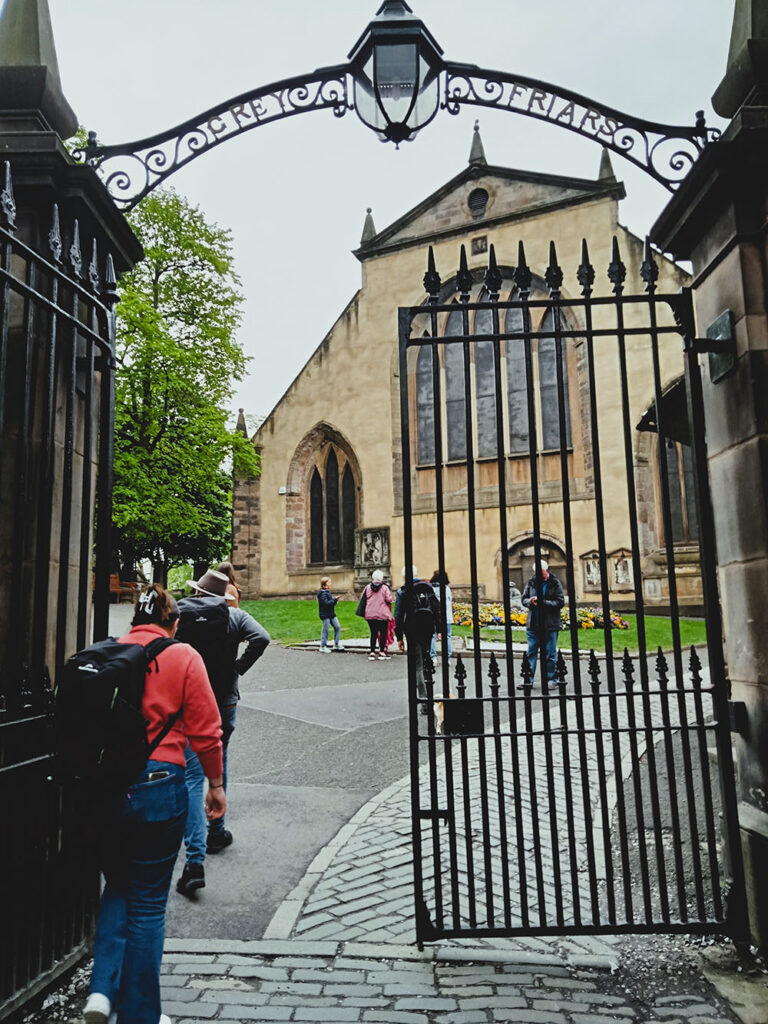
326 606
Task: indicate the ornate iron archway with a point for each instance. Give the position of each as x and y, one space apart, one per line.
396 81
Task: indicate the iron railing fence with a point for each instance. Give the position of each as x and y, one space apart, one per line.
588 804
56 422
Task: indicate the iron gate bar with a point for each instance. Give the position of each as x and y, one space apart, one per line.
554 279
649 272
620 715
617 275
493 281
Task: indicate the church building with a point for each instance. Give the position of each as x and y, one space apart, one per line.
329 500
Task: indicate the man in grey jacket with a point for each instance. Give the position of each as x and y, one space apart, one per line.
216 631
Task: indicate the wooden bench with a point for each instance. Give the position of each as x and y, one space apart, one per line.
122 588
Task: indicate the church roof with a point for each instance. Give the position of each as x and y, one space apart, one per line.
482 196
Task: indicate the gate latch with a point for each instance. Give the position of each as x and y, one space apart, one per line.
737 717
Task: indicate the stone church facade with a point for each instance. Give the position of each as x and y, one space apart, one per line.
329 498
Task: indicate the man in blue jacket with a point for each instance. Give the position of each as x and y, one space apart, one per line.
543 597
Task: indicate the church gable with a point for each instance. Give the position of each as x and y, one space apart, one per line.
482 196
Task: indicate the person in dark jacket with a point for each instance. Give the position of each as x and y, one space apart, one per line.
225 665
418 637
326 608
543 597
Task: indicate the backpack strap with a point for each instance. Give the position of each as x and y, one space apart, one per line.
151 652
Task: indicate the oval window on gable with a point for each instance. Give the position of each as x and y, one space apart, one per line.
477 201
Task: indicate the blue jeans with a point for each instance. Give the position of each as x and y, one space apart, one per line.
551 652
327 623
195 833
447 641
142 837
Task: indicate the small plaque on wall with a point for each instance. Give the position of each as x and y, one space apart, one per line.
722 362
479 245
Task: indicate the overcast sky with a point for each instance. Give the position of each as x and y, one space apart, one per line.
295 192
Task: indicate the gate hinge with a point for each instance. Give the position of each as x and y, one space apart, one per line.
737 717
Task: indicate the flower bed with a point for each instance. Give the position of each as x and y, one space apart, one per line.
493 615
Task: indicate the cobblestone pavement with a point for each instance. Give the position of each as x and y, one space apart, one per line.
362 982
360 886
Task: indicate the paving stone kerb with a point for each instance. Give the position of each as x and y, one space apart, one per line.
355 982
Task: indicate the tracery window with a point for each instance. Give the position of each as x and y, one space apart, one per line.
332 509
481 374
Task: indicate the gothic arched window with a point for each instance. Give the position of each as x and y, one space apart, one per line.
332 509
455 399
485 387
425 406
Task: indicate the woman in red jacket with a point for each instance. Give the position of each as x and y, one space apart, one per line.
142 832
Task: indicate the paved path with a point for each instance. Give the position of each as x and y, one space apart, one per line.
447 984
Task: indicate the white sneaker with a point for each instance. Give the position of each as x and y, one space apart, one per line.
97 1009
164 1019
371 657
325 650
383 656
338 647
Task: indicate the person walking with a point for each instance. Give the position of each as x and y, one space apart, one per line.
378 612
416 613
440 582
216 631
543 597
326 607
139 834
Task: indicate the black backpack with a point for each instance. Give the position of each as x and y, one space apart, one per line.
423 611
204 625
100 731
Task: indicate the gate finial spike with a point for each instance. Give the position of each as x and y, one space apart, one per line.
594 669
93 268
628 669
586 272
432 278
695 667
553 274
617 272
523 274
464 276
75 255
661 667
525 672
493 275
649 270
111 296
7 201
494 671
54 236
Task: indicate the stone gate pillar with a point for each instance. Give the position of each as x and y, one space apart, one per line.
719 220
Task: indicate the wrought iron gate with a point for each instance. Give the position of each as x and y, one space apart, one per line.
588 803
56 421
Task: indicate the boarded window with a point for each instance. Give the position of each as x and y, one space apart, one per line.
425 407
455 399
550 415
485 387
517 385
348 516
316 518
333 526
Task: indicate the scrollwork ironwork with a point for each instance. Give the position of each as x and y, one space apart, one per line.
132 170
666 152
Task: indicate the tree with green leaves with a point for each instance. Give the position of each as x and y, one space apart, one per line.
178 361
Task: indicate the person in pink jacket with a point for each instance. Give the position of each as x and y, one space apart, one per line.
378 612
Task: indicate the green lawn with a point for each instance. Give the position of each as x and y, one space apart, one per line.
294 622
658 633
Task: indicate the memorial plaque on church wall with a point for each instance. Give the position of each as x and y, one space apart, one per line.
372 552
